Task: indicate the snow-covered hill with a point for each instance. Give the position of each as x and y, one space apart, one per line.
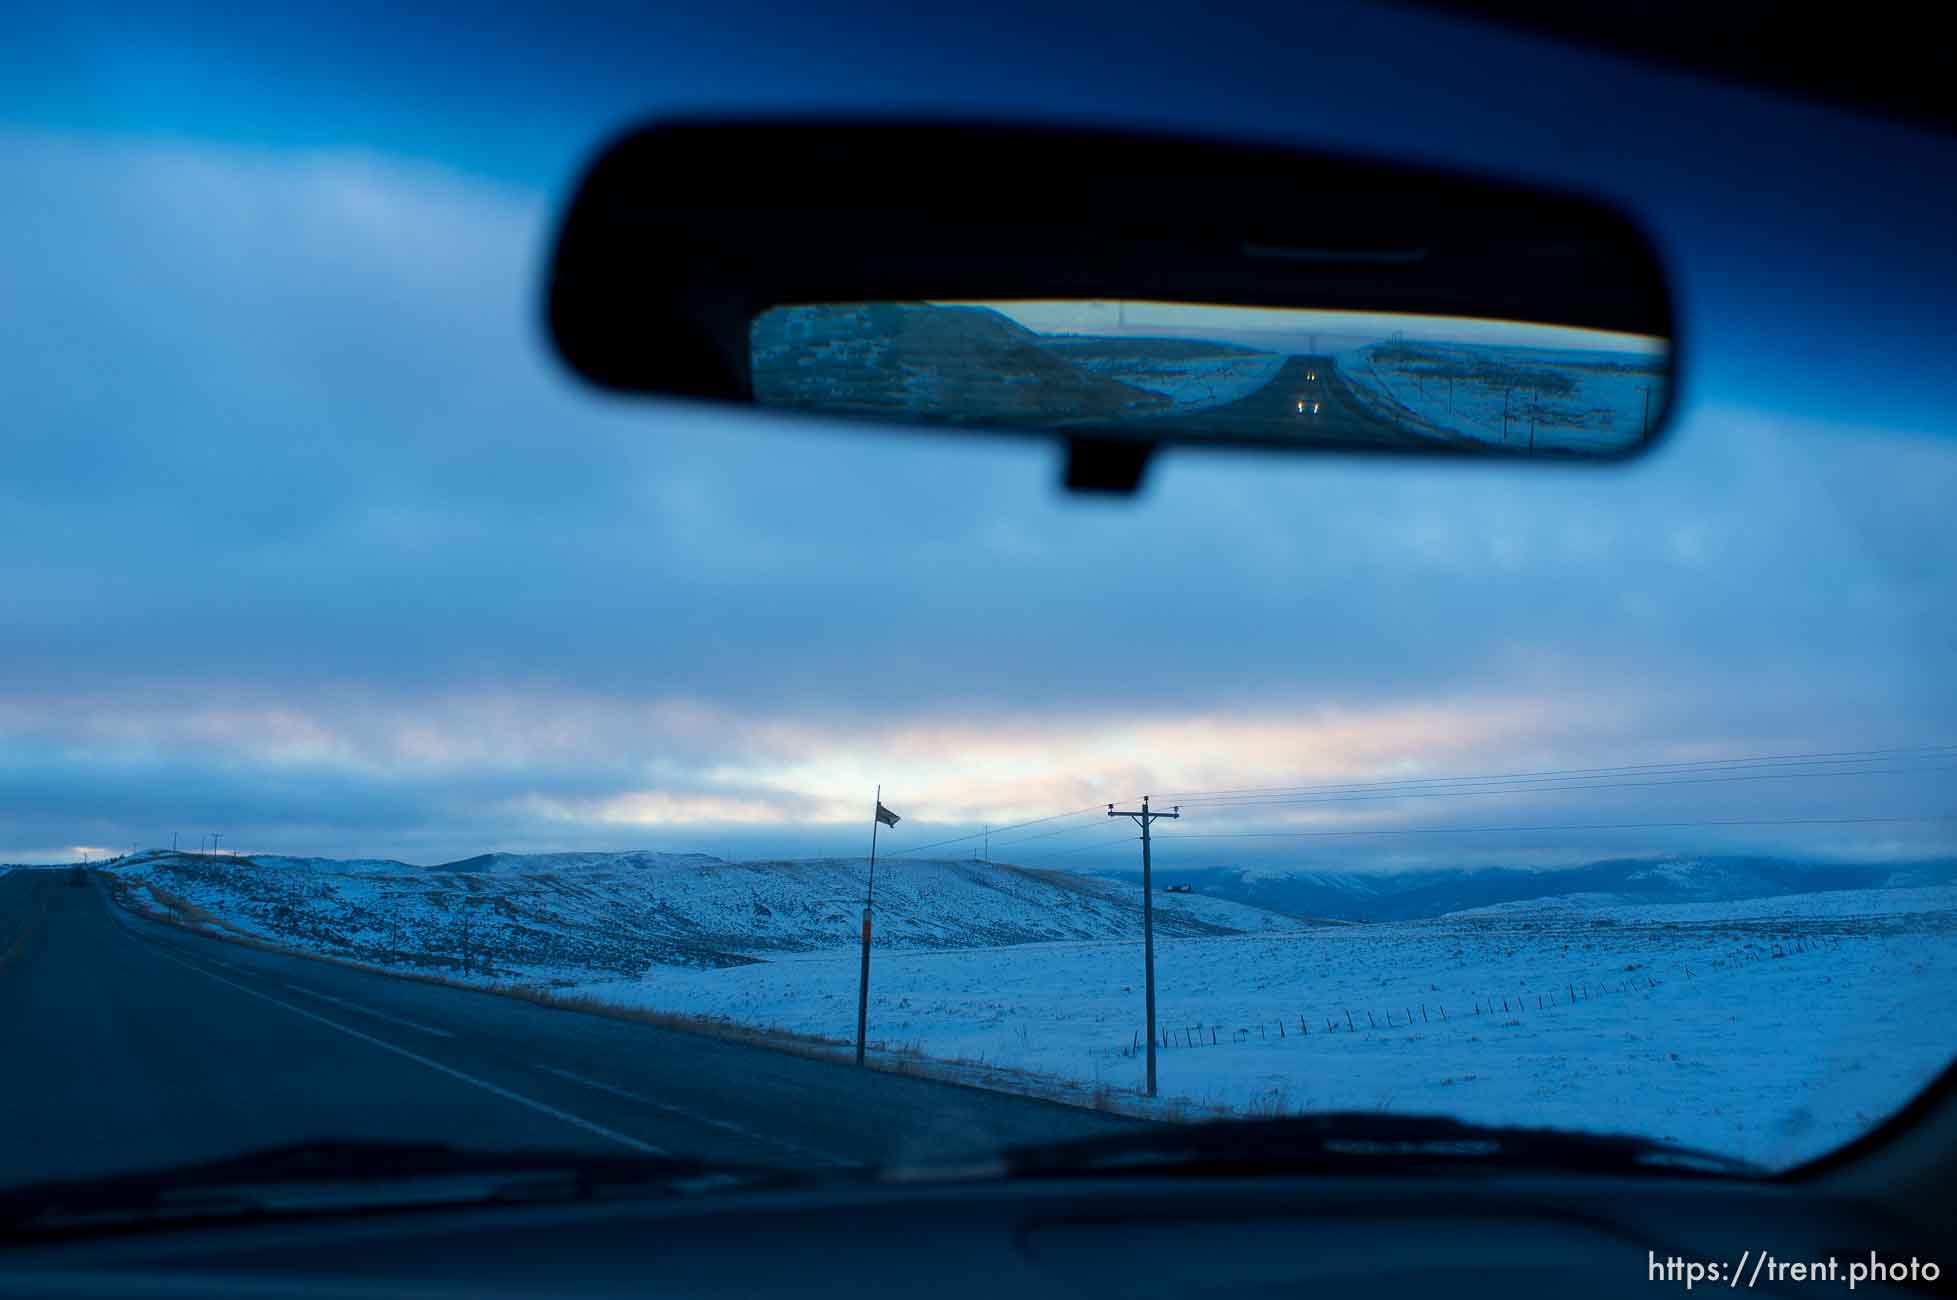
580 915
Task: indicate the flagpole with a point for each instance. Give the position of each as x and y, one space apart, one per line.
875 821
863 979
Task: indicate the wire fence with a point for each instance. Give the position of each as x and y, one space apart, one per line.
1475 1007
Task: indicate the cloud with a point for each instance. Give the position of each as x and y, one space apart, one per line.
304 529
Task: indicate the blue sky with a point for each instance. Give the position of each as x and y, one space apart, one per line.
305 536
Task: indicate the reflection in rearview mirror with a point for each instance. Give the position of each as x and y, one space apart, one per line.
1194 373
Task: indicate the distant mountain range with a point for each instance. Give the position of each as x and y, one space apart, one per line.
1358 896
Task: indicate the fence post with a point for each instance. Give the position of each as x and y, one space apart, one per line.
1348 1020
1372 1023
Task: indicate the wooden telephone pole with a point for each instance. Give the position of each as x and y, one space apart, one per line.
1143 818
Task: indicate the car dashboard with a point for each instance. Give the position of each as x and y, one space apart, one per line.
1468 1234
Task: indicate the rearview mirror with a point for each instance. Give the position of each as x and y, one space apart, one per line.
1122 292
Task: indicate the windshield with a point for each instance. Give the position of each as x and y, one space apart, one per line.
401 742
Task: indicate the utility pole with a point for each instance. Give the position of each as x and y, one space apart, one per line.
988 844
1143 818
1644 425
173 841
469 902
215 837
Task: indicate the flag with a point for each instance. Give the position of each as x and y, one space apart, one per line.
885 816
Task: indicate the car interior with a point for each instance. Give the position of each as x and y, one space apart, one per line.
878 272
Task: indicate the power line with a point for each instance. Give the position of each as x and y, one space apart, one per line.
959 839
1710 764
1064 830
1584 826
1837 763
1714 768
1558 788
1601 780
1097 844
1728 767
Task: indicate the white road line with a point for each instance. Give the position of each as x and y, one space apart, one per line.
623 1139
644 1100
684 1113
365 1010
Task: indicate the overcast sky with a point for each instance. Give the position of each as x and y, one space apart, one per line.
1302 328
306 538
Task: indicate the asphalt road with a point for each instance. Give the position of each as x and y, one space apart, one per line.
131 1043
1272 411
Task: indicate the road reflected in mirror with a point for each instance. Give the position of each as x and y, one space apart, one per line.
1194 373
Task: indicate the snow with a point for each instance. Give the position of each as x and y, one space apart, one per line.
1774 1029
1196 383
574 916
969 362
1578 400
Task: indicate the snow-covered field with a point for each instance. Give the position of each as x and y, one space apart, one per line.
1585 401
1773 1029
1192 383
